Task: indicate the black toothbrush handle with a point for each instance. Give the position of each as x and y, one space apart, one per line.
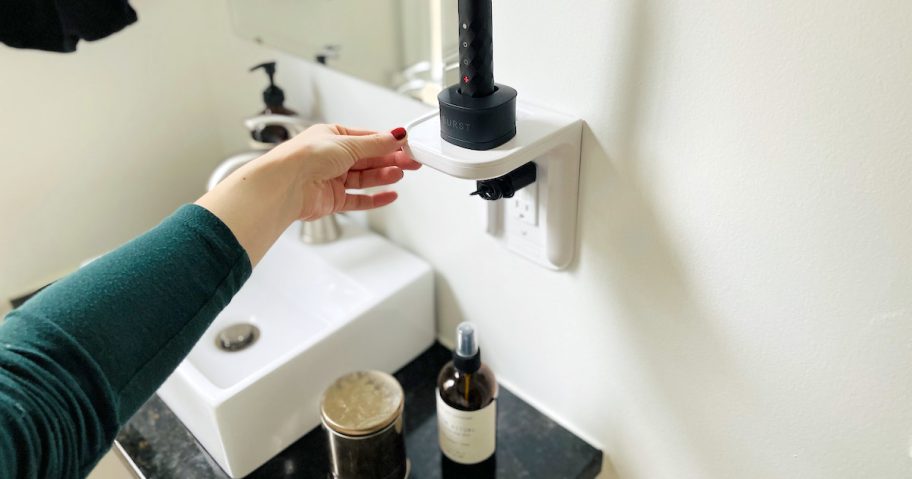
476 48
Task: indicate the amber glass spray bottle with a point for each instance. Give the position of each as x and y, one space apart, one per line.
467 407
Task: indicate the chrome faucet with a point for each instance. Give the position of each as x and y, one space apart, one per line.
323 230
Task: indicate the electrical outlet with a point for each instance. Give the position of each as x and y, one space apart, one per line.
522 231
524 205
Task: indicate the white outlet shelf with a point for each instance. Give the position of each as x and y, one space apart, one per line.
549 139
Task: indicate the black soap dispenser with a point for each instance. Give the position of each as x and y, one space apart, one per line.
273 96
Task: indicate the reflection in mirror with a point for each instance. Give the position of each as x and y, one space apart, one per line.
407 45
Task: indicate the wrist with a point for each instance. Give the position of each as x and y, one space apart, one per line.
257 202
284 178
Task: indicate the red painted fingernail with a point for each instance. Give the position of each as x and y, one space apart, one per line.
399 133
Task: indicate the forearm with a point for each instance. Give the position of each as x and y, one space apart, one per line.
83 355
258 201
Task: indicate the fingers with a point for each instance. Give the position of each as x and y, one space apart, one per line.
374 145
344 130
374 177
367 202
399 158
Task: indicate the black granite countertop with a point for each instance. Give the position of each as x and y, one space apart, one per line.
529 445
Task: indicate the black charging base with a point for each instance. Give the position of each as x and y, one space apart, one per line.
478 123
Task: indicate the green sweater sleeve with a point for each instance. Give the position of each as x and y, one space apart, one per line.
78 359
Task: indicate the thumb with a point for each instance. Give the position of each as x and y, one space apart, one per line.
378 144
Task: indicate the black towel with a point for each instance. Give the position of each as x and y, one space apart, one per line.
58 25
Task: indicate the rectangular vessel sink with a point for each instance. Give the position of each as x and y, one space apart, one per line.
322 311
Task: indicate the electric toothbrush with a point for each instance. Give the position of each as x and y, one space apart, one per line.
476 48
477 113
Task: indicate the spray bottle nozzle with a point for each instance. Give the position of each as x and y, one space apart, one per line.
467 355
273 96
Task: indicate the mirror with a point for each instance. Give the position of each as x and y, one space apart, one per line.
409 46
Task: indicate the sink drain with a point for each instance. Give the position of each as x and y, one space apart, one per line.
237 337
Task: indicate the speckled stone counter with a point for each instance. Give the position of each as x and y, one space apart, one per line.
529 445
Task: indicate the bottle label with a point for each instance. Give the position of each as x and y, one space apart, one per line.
467 437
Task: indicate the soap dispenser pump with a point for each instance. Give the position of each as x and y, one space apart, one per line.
273 96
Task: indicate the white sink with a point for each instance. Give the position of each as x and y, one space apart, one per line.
322 311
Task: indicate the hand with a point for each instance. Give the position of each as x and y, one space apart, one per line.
332 159
306 178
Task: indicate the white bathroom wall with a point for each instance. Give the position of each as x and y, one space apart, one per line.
742 302
102 144
99 144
